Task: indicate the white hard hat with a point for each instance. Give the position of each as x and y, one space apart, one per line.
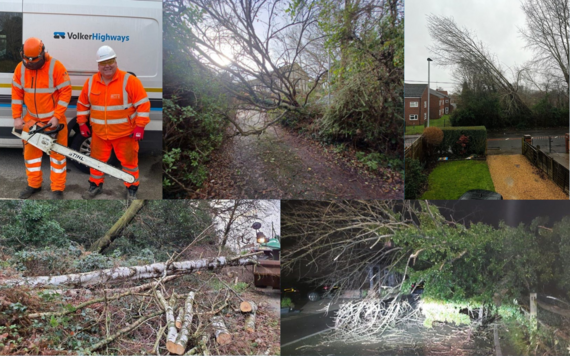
104 53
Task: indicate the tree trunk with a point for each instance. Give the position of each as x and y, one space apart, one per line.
116 230
179 346
172 332
223 337
154 270
249 307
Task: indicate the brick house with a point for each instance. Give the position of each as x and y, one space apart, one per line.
415 104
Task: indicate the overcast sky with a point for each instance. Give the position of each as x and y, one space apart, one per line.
495 22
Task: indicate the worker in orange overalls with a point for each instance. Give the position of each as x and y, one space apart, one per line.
41 83
119 110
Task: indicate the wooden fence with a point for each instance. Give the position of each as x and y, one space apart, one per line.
415 151
554 170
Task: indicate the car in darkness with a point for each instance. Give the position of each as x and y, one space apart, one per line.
310 290
481 194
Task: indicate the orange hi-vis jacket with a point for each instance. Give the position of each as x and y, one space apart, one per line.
114 109
45 92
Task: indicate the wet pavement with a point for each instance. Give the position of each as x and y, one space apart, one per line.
415 339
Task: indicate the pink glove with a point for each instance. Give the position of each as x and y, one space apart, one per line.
138 133
84 129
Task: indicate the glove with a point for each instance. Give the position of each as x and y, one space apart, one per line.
138 133
53 122
84 129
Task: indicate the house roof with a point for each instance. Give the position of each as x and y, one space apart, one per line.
414 90
436 93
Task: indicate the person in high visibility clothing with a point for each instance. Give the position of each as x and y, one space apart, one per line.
42 84
119 110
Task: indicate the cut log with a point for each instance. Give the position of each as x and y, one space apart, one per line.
179 318
182 340
250 323
248 307
154 270
223 337
170 323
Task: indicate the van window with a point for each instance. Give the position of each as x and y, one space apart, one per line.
10 40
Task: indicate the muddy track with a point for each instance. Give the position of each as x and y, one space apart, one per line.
280 165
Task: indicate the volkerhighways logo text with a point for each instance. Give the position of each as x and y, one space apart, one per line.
90 36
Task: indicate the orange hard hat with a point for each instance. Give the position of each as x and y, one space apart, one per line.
33 47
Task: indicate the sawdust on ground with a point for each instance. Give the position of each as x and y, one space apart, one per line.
517 179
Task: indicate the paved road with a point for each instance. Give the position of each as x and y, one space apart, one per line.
509 142
13 178
297 326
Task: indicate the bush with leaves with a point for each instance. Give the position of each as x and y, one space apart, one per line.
415 179
367 79
34 225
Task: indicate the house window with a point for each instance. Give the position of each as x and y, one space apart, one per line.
446 110
446 101
425 116
413 117
413 104
425 104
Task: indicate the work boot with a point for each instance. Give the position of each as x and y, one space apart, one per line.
93 191
132 192
57 195
28 192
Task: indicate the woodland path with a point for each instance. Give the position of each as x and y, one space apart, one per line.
281 165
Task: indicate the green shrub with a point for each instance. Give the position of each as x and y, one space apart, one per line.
452 135
34 227
43 262
286 302
415 179
376 160
92 262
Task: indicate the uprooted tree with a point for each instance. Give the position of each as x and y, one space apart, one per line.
385 246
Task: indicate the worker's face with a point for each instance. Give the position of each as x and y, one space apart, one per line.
108 68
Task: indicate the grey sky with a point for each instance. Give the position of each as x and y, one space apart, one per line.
495 22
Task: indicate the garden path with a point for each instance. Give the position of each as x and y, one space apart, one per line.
516 178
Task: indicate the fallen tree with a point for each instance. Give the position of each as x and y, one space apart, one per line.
117 228
154 270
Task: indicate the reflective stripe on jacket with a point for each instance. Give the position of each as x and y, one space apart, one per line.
46 92
116 108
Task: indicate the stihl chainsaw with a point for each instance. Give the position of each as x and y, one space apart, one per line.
45 141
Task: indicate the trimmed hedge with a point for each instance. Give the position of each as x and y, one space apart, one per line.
477 140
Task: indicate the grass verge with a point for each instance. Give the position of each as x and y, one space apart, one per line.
449 180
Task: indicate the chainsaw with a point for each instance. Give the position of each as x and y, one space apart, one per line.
45 141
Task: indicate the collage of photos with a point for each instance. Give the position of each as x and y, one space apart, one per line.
285 177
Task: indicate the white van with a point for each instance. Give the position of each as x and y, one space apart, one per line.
72 31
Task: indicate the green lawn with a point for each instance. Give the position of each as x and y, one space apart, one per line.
441 122
449 180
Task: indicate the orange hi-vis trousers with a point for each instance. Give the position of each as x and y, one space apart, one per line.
58 165
127 151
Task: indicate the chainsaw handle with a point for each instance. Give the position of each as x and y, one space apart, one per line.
43 128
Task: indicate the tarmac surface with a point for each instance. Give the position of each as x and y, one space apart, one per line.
13 178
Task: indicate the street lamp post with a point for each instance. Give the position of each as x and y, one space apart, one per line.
429 60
